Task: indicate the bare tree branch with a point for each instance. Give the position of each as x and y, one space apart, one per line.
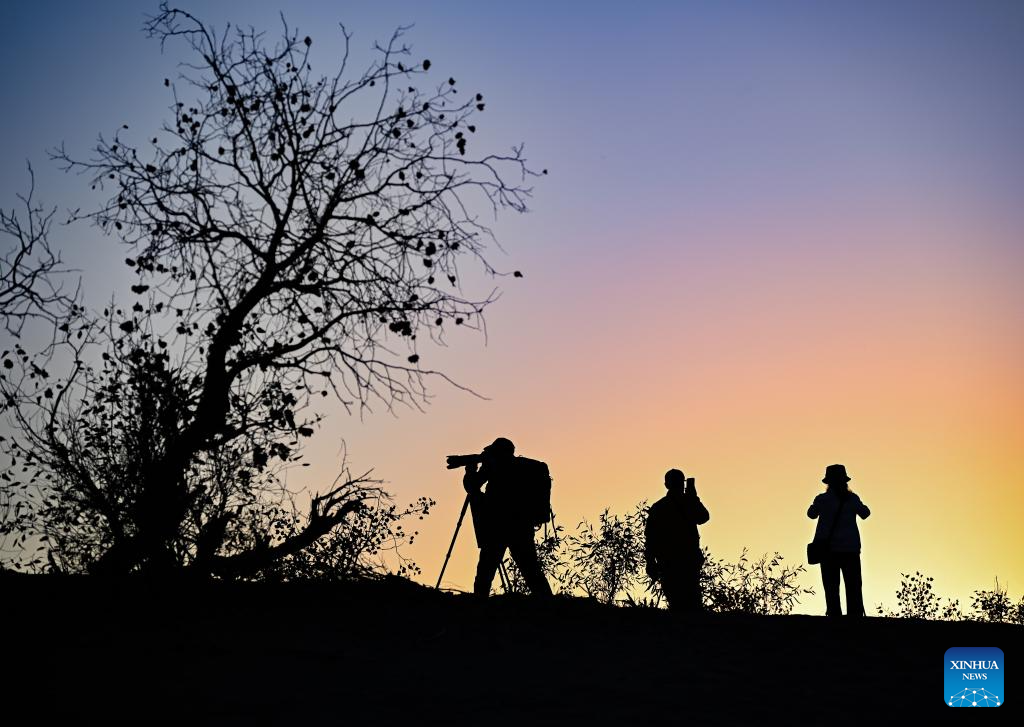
31 273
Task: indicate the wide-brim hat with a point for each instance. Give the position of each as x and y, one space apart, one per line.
835 473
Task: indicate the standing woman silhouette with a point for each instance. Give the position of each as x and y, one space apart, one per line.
836 510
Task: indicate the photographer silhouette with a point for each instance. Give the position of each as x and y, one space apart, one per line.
504 514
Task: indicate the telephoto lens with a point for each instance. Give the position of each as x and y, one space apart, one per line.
462 460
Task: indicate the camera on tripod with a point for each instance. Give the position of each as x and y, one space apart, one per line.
464 460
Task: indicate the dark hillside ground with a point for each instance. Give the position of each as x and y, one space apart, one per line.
392 652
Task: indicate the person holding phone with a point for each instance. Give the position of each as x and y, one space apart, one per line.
836 511
672 543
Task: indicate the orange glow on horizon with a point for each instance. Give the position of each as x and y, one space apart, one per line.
753 378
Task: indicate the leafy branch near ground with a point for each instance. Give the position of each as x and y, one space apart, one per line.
368 543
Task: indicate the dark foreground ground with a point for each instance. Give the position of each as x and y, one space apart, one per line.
392 652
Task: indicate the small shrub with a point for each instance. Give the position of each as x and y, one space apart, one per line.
605 561
916 598
763 587
996 606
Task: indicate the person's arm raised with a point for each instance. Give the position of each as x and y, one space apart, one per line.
700 513
473 480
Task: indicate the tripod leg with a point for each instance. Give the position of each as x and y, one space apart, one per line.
458 526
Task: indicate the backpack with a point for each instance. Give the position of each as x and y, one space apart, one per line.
535 480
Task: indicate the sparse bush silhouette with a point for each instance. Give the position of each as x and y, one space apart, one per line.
916 598
765 587
293 237
605 562
996 606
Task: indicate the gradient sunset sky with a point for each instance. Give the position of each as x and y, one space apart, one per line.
774 236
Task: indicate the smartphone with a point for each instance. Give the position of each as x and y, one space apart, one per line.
689 484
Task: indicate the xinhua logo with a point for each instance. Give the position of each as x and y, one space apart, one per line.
973 677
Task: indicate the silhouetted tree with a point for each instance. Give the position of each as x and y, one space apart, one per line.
293 237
